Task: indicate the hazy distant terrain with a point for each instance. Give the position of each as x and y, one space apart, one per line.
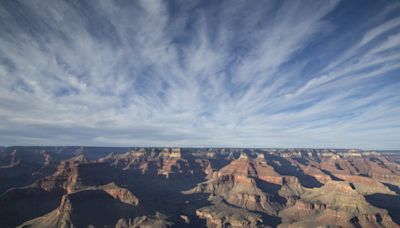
198 187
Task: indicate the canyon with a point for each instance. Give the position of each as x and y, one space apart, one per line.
198 187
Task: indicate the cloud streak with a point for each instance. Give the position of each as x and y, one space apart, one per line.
188 73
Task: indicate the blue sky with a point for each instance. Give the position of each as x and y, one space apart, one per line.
200 73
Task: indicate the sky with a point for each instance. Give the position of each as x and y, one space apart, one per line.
297 73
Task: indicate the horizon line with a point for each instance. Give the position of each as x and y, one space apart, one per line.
203 147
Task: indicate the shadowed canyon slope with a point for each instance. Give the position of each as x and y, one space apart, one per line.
198 187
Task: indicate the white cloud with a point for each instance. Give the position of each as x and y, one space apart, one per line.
139 74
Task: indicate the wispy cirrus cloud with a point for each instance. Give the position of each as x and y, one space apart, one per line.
199 73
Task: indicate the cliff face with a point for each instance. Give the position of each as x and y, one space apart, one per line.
121 194
336 202
239 183
156 221
223 215
201 187
168 163
90 206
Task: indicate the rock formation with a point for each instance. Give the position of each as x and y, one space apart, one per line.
198 187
